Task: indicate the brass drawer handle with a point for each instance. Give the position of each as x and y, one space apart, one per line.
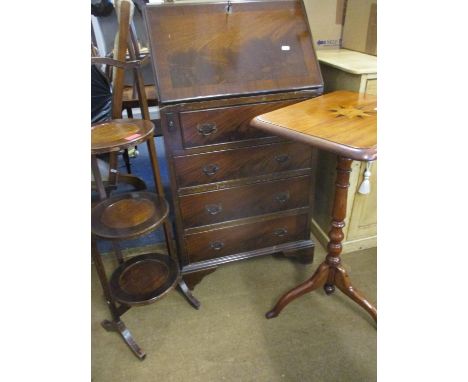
210 169
214 209
282 197
280 232
206 129
216 245
170 121
283 158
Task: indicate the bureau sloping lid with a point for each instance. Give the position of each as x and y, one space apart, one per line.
200 51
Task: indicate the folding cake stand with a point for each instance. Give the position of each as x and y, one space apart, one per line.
143 279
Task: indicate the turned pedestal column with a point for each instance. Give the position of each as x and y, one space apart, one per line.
331 273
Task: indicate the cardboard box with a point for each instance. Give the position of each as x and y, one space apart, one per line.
360 26
326 22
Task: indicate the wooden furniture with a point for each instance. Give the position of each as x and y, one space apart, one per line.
347 70
344 69
145 278
343 123
237 191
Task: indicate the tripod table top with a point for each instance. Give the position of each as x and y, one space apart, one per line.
341 122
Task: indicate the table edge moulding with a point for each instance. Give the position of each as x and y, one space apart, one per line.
344 69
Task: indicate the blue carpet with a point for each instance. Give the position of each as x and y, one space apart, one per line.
141 167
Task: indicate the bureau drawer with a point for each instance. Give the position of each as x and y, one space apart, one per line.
247 237
213 167
240 202
223 125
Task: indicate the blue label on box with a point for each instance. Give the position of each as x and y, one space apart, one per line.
336 42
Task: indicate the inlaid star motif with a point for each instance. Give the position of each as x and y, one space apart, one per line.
348 111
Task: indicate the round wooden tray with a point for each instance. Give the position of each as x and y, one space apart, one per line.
128 215
118 134
144 279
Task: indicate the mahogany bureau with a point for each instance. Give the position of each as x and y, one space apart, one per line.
237 192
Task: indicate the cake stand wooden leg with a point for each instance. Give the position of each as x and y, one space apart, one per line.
120 328
116 324
97 178
330 272
188 294
103 280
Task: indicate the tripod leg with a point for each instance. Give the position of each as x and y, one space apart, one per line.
316 281
343 283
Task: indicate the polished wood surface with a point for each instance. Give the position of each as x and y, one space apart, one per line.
337 68
116 215
248 200
125 216
216 69
223 125
144 279
206 51
246 237
118 134
341 122
315 122
233 164
234 174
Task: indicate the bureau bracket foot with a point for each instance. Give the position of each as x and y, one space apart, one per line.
119 327
188 294
303 256
192 278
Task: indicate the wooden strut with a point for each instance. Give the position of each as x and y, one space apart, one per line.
116 324
331 273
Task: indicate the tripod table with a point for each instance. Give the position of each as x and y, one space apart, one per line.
344 123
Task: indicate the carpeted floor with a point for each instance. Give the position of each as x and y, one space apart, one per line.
316 338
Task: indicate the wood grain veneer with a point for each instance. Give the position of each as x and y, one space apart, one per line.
341 122
215 71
